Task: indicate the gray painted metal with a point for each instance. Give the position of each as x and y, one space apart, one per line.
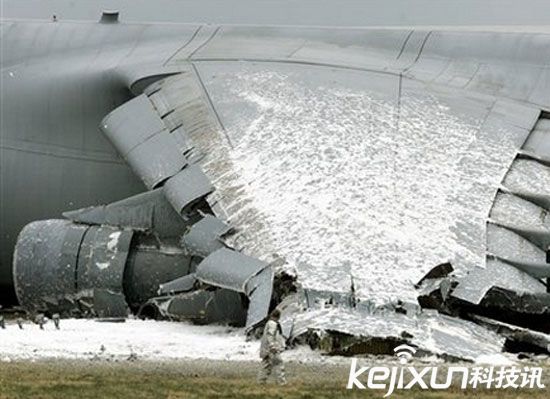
541 200
203 307
185 188
45 265
59 80
150 266
132 124
528 176
473 287
491 85
102 258
149 211
183 143
140 136
107 303
515 333
157 159
538 237
273 112
518 16
100 269
520 234
259 290
513 209
234 271
182 284
537 270
229 269
184 95
538 141
204 236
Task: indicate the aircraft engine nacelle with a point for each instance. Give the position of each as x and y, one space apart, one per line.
90 270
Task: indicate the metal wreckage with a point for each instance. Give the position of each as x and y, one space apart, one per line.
379 186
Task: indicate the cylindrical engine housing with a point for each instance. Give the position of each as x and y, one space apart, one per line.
90 270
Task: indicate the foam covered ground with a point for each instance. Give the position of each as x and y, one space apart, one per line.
147 340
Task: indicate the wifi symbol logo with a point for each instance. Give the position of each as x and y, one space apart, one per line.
404 353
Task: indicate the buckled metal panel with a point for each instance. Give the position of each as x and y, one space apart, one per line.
538 141
512 209
45 265
109 304
102 260
219 306
473 287
156 159
528 176
259 290
131 124
145 211
184 95
182 284
508 244
536 270
229 269
203 237
182 140
186 187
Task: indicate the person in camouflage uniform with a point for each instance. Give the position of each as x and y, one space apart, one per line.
272 344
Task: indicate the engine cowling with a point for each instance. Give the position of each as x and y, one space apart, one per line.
90 270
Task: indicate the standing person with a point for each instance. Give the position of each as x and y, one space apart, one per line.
272 344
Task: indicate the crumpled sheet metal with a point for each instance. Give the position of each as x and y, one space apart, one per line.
72 268
532 304
485 132
45 264
184 94
100 271
538 141
232 270
204 236
141 137
473 287
107 303
506 243
512 332
131 124
528 176
186 187
182 284
146 211
539 238
157 159
517 211
432 332
102 258
519 234
260 290
316 298
213 306
229 269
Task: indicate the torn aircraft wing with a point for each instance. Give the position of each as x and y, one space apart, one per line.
361 158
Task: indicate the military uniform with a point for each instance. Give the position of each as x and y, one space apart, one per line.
272 344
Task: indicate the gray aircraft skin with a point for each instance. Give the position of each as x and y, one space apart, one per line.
166 167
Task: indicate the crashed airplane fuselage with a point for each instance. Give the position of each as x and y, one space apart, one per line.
186 171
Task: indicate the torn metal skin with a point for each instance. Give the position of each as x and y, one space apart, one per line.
197 246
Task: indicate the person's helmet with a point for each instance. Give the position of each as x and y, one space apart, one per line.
275 315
